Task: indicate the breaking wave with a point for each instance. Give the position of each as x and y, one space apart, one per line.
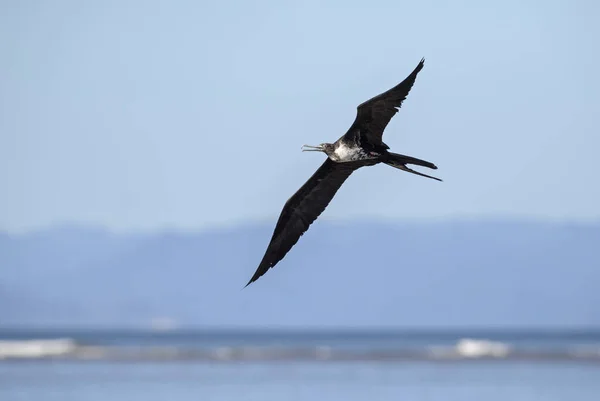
464 349
36 348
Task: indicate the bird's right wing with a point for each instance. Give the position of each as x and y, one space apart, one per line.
302 209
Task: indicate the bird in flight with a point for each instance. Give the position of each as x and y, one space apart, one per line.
360 146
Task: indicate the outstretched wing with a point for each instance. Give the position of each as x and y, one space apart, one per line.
302 209
374 115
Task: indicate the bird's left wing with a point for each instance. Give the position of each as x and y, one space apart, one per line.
302 209
373 115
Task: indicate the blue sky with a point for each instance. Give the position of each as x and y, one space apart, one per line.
143 115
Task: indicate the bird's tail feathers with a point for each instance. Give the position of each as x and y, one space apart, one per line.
400 161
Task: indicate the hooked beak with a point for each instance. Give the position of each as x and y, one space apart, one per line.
308 148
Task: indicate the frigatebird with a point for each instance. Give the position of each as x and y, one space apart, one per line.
360 146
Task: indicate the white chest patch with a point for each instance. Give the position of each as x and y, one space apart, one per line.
345 154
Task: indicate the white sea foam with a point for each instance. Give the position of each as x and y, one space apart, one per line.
472 348
464 349
36 348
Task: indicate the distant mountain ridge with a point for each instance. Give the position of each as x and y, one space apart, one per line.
352 274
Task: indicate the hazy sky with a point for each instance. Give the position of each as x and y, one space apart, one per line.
145 114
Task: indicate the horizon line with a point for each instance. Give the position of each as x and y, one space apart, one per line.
324 329
214 227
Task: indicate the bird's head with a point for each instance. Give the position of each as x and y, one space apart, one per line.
326 148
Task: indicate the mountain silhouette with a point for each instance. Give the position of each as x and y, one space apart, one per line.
352 274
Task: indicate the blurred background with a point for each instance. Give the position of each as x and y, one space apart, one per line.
146 150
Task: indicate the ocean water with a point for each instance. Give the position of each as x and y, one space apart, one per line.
357 366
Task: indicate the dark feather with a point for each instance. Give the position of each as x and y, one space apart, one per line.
373 116
302 209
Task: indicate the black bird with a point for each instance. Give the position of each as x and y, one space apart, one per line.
360 146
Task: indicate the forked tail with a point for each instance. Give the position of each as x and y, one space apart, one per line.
400 161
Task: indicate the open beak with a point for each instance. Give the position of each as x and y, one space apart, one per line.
308 148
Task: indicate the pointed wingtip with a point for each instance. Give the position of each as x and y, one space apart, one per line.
420 66
253 279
